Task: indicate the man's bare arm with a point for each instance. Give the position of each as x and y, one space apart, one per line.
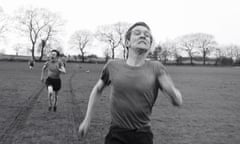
94 96
169 89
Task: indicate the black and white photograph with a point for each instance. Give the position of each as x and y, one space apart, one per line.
119 72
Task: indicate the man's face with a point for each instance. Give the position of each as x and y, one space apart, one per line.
53 55
140 38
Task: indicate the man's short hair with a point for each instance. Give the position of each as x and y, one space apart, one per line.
58 53
128 33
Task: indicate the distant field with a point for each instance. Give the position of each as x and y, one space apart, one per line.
210 114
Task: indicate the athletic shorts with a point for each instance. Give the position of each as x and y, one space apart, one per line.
55 83
31 64
118 135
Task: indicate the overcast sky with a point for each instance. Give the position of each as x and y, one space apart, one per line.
168 19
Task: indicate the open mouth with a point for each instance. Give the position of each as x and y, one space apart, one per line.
144 42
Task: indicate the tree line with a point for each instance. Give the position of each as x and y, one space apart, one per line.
197 46
42 29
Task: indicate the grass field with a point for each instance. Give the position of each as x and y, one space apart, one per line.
210 114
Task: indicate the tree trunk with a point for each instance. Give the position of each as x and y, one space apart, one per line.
191 60
113 54
124 53
165 60
204 57
106 59
83 59
217 61
41 55
179 60
33 50
43 44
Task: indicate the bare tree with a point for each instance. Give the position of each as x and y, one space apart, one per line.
236 51
110 34
17 48
165 53
38 24
50 45
188 43
106 54
80 39
156 54
232 51
219 53
169 50
50 31
206 44
121 28
4 20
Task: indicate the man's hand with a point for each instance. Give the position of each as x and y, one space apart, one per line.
42 79
83 128
178 100
62 69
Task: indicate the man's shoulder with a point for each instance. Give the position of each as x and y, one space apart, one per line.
46 63
155 63
157 66
115 62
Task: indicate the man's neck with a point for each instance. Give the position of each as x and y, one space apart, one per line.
53 60
136 57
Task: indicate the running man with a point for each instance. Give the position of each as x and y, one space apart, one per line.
54 68
31 64
134 88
